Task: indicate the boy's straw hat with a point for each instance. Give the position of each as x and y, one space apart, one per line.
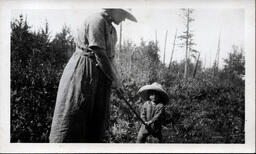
143 91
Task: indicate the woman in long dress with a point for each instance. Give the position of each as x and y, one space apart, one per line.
82 104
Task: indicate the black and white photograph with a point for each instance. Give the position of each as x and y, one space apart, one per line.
167 77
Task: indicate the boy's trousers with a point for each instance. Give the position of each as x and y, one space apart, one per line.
144 133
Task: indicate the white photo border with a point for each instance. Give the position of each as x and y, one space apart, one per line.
5 13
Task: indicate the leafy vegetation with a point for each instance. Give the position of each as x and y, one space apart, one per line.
208 108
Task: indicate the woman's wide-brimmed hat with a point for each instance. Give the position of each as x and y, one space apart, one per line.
143 91
125 12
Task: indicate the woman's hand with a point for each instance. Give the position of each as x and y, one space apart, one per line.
117 84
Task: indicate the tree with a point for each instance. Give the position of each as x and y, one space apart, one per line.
187 36
21 41
140 63
34 79
63 46
197 61
216 61
234 66
173 47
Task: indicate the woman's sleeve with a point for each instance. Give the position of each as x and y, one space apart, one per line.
95 35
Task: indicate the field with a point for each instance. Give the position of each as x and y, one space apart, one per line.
208 107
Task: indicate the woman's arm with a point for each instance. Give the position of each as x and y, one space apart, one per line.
117 84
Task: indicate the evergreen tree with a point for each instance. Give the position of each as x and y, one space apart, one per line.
63 46
187 36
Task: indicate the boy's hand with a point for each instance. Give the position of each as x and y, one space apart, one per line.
148 123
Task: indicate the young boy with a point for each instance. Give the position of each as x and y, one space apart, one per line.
152 111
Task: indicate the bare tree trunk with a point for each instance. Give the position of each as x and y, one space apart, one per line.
216 62
187 37
173 47
210 60
130 63
194 74
156 38
166 34
204 61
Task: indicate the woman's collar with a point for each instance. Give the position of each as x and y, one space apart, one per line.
107 17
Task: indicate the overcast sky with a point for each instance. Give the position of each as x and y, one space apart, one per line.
208 25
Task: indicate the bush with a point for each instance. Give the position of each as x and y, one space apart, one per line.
34 81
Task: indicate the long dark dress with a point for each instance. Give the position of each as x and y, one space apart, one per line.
82 105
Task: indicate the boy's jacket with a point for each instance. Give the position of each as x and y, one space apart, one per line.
155 114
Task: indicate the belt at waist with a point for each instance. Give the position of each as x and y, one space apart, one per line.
105 67
85 52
